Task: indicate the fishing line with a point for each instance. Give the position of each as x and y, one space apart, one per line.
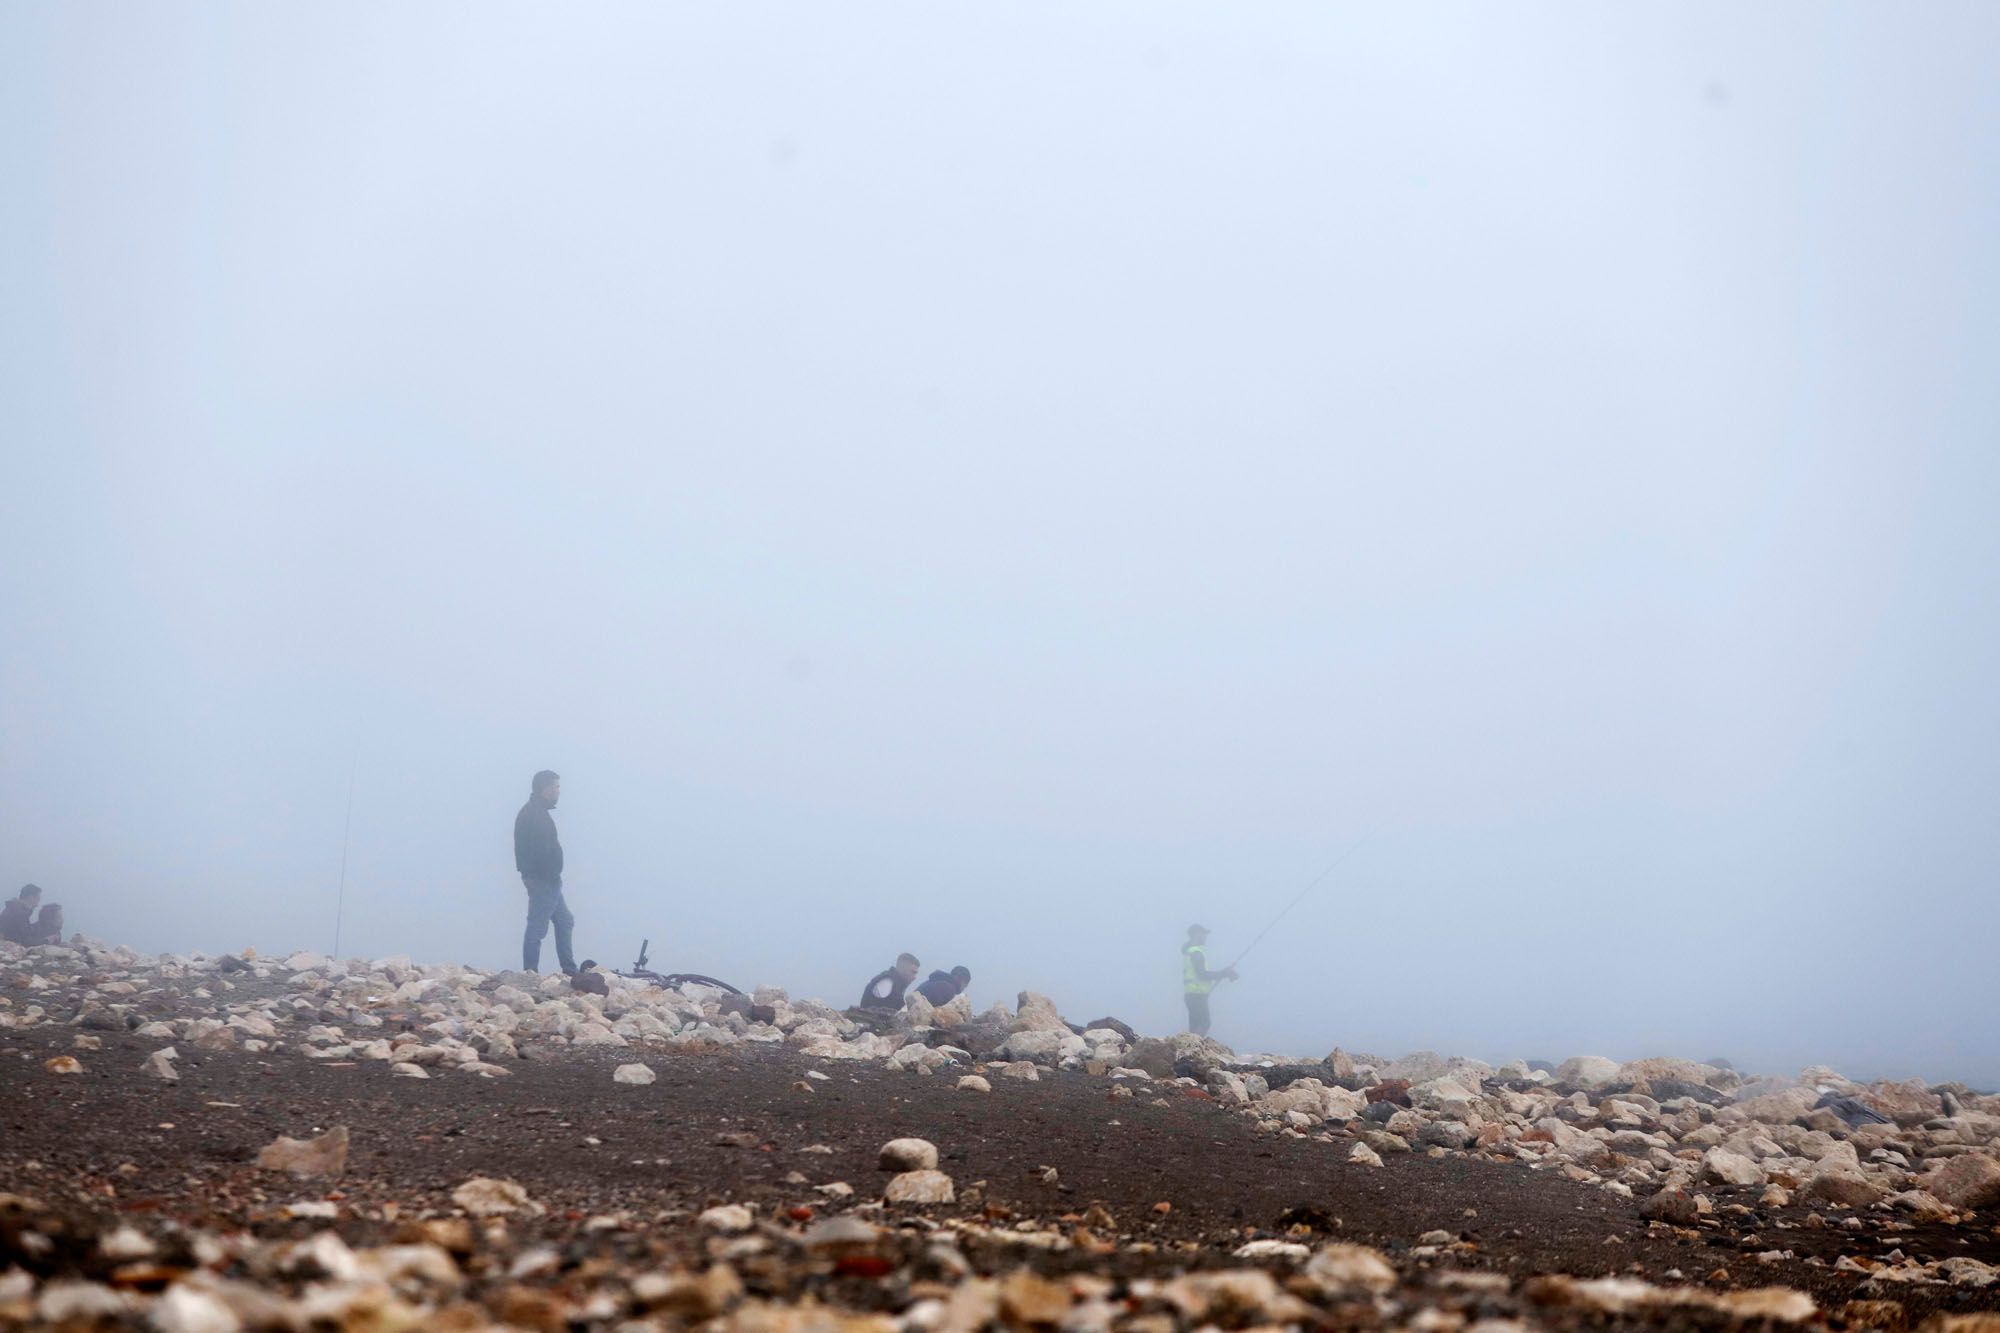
346 828
1317 880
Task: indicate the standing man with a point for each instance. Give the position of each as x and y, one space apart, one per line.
538 855
1197 981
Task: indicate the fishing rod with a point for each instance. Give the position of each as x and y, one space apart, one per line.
1317 880
346 828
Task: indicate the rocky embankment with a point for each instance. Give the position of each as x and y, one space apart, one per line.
1865 1205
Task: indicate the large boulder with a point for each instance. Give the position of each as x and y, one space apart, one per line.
908 1155
917 1012
1730 1168
1311 1097
1779 1108
1660 1068
1415 1067
1446 1134
1195 1057
1122 1028
1668 1089
921 1058
1106 1045
1588 1071
1041 1045
1436 1093
1395 1091
1672 1204
1037 1013
981 1036
1281 1074
1155 1055
1347 1269
1759 1087
919 1187
1303 1096
1838 1183
322 1156
1969 1180
1570 1141
1908 1103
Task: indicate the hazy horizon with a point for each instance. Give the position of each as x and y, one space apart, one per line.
1008 484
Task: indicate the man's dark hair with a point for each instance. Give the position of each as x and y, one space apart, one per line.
543 779
909 958
962 975
29 891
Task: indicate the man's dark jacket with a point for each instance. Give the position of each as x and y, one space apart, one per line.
537 852
892 998
14 921
940 988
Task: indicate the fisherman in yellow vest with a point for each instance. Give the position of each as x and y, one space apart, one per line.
1197 981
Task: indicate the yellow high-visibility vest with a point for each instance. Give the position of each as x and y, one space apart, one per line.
1191 970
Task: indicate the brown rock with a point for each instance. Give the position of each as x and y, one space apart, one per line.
526 1307
919 1187
1907 1103
483 1196
1031 1301
1843 1187
1922 1206
1382 1141
689 1296
1887 1316
323 1156
1671 1205
451 1234
1970 1180
1396 1090
1778 1303
1344 1267
1153 1055
908 1155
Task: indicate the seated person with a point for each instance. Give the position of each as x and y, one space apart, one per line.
16 922
48 926
941 988
885 989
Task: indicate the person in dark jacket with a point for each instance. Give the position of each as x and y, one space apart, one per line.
17 917
941 988
885 989
538 855
48 927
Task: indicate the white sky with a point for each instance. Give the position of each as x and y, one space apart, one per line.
1007 482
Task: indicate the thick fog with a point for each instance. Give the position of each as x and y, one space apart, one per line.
1008 483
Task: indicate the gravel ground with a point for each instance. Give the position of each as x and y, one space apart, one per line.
1159 1183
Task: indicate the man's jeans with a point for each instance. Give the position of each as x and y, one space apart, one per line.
545 905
